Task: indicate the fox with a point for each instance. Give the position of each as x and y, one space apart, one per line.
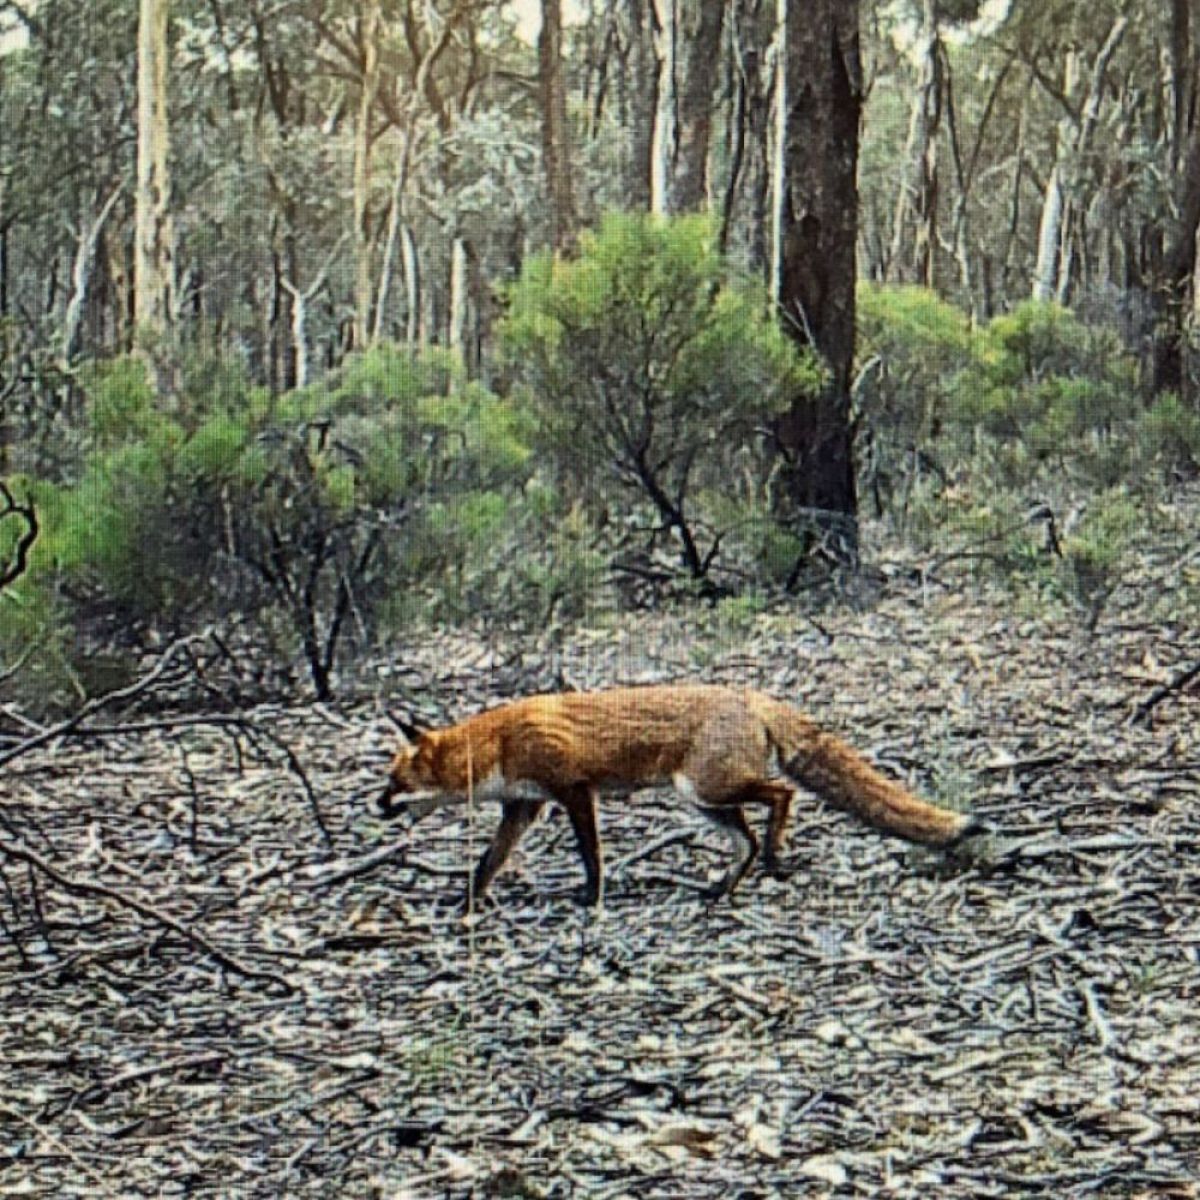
722 748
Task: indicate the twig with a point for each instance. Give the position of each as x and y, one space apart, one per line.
74 727
679 837
361 866
1095 1012
1160 693
25 542
134 1075
62 1148
94 705
89 888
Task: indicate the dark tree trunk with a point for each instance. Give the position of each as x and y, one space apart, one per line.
555 140
1174 271
701 45
1173 292
818 229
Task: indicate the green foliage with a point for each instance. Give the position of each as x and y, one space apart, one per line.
967 427
1168 432
120 401
647 359
1043 377
395 478
384 378
215 450
921 344
36 667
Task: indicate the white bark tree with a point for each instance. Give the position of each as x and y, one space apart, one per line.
153 292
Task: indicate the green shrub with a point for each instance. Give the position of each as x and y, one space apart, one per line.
121 403
912 346
647 361
1168 432
1043 377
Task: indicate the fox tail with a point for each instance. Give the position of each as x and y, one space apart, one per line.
827 766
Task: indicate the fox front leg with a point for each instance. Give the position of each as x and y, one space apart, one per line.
518 815
580 803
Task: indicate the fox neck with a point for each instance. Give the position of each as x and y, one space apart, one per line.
470 764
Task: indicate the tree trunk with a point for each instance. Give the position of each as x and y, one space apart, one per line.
914 232
820 103
369 50
556 143
639 83
663 138
1174 277
459 306
1056 232
85 254
411 263
153 303
1045 271
701 43
395 223
1173 272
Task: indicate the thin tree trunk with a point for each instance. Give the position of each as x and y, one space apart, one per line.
663 139
153 303
1174 275
1045 271
369 49
1052 273
299 323
85 254
737 135
1007 267
915 224
556 142
411 265
392 236
459 308
640 83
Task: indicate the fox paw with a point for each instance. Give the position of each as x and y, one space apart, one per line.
713 892
780 870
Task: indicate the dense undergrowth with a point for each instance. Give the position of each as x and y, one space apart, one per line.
625 460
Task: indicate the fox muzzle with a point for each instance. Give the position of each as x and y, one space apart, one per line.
384 802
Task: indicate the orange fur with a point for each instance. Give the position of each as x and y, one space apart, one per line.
722 748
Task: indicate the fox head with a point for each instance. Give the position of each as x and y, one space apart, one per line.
413 772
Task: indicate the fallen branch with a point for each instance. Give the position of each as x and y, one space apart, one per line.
361 866
1160 693
130 692
74 727
82 887
683 837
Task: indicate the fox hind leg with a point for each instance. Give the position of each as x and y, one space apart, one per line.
517 817
733 821
778 797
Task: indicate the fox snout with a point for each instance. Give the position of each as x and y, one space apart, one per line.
384 800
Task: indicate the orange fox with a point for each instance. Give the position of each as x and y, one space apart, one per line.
721 747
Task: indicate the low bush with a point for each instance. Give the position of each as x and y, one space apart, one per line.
308 513
652 371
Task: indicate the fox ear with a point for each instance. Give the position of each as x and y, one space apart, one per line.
410 730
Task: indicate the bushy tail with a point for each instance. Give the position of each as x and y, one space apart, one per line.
826 765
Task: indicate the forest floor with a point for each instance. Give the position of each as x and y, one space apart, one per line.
221 974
